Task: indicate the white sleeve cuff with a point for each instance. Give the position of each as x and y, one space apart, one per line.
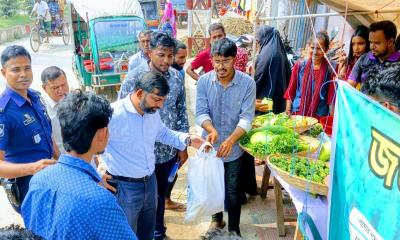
202 118
246 125
182 140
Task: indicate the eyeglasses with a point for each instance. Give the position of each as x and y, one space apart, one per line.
225 62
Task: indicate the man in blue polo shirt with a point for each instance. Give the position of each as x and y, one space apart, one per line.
383 55
26 145
65 201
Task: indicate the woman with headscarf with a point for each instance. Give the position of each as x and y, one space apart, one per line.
272 69
168 19
272 73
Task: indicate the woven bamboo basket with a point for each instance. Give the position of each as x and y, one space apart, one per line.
301 183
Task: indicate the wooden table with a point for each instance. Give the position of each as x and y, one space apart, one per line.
280 217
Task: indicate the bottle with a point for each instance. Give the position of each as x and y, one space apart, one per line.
173 172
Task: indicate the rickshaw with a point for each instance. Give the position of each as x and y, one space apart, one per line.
105 35
59 28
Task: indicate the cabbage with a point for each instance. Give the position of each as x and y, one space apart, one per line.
258 137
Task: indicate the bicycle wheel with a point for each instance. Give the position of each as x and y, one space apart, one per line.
35 39
65 33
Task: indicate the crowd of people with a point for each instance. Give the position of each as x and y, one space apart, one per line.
50 144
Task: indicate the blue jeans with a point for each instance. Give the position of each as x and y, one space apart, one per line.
232 196
162 172
138 200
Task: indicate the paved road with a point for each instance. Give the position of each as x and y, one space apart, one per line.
55 53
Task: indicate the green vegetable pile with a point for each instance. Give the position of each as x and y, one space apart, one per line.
272 139
271 119
316 130
302 167
281 119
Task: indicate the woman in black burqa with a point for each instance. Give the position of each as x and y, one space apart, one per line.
272 68
272 74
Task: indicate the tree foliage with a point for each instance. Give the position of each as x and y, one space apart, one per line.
26 5
9 8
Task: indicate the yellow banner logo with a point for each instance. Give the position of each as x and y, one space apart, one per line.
384 158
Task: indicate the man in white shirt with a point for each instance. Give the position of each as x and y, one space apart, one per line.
55 84
129 157
142 56
42 11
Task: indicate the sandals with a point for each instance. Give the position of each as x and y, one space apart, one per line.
175 206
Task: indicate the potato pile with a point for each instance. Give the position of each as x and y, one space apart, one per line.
236 25
196 47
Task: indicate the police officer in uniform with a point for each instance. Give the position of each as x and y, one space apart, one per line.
26 145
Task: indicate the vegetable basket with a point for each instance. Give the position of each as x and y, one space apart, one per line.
298 182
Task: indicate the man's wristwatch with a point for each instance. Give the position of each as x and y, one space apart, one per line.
188 141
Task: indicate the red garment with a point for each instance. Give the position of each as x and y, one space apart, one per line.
241 60
348 72
203 59
349 68
309 100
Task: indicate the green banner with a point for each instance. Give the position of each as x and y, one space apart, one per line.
365 182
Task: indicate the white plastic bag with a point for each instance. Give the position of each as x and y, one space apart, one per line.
206 186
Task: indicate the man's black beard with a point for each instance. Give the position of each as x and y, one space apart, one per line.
176 66
382 54
146 109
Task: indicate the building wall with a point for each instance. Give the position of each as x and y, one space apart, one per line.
300 30
345 30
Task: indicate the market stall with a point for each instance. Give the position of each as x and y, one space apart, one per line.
339 194
296 152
